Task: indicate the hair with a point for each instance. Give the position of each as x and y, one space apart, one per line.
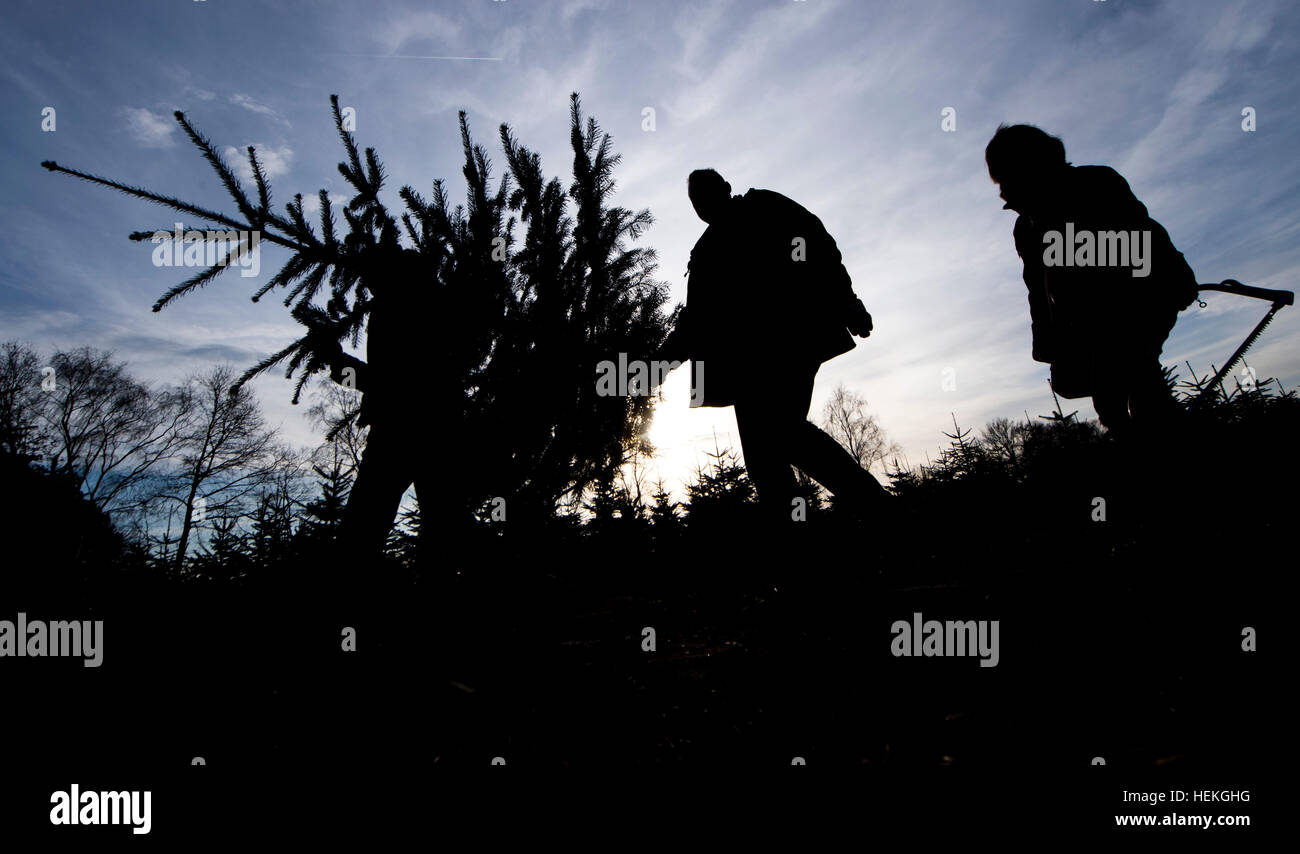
1023 145
703 180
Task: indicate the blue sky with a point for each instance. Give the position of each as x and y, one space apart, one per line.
836 104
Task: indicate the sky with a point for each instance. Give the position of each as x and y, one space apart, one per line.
839 105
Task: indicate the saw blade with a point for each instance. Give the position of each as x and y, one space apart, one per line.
1241 351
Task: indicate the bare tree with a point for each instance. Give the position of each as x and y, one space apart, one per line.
1006 438
846 419
104 428
335 412
227 459
20 397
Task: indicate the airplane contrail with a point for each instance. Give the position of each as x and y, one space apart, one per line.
411 56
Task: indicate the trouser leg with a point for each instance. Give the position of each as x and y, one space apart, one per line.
382 478
765 436
1111 404
1136 406
1134 400
827 462
775 434
1151 403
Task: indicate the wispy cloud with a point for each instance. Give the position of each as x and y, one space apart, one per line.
275 161
253 106
423 29
149 129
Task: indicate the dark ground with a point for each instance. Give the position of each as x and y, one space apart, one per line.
1118 639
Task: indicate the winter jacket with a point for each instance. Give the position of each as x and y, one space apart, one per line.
767 292
1083 315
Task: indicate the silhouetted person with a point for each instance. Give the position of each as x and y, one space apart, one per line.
1099 326
411 408
768 301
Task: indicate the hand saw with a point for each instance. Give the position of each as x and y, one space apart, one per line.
1232 286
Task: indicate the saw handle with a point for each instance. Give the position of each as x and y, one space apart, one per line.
1232 286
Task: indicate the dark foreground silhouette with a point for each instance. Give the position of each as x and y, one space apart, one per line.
481 343
1121 638
769 301
1105 281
